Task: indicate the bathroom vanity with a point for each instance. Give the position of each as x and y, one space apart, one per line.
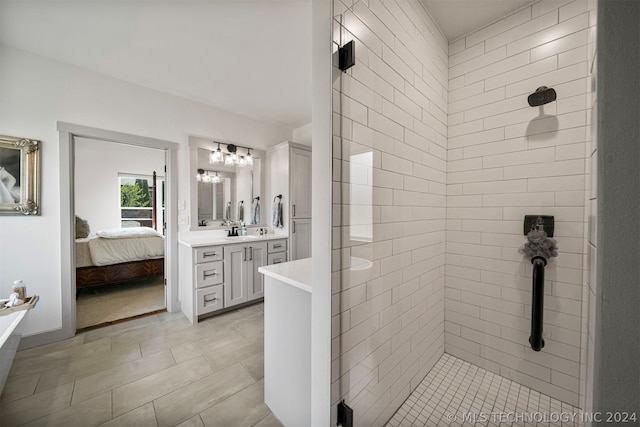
219 272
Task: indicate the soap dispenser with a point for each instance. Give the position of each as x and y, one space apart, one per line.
244 229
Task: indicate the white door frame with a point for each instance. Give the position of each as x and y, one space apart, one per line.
68 132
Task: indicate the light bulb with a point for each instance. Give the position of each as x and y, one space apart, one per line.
242 161
249 158
228 160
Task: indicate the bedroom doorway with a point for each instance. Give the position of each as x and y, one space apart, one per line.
119 194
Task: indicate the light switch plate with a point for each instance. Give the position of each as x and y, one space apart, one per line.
183 220
181 205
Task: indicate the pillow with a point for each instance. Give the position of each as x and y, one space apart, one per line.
82 228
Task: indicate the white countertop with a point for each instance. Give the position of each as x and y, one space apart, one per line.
8 323
295 273
207 238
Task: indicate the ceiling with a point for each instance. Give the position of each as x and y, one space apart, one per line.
457 18
251 57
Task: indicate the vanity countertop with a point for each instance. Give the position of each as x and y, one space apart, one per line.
206 238
295 273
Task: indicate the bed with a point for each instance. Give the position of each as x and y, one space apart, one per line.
119 255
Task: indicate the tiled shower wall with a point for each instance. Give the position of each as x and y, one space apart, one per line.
505 160
389 194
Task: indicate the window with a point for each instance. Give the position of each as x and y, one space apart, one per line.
136 204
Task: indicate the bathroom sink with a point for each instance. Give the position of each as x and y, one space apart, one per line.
241 238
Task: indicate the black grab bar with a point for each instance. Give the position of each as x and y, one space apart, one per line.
537 303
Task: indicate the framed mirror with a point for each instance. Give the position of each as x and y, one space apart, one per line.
19 176
225 194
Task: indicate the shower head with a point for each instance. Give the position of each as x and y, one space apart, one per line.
542 95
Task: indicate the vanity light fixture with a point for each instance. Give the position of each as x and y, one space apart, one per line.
231 157
203 176
216 156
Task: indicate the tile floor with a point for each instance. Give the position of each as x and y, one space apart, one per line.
152 371
455 392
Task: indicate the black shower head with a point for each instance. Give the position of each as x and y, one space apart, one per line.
542 95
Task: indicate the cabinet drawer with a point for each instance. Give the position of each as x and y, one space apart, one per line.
208 253
276 246
210 299
276 258
209 273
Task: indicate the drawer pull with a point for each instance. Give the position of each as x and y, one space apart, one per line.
210 300
277 246
207 274
209 254
277 261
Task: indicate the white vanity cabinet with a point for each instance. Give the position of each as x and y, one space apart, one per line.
216 275
243 282
289 175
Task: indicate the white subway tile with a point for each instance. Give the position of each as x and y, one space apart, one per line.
544 6
553 33
455 154
475 176
574 103
500 108
477 63
362 32
350 108
385 125
463 237
525 72
530 199
386 72
473 101
520 158
546 169
361 93
559 45
547 124
464 164
373 81
508 146
473 250
371 20
569 198
512 21
572 57
574 8
456 82
508 64
397 64
477 138
495 226
552 79
465 92
465 128
531 27
456 47
462 343
406 104
472 285
454 119
566 183
466 54
495 187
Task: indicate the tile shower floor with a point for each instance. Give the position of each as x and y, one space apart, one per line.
457 393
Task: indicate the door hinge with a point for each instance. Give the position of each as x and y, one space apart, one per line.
345 415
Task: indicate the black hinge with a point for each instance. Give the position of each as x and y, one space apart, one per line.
345 415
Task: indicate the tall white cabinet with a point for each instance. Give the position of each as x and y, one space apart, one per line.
289 175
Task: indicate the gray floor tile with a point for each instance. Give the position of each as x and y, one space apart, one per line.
147 389
192 422
92 412
269 421
144 416
186 402
255 365
121 375
233 353
35 406
245 408
18 388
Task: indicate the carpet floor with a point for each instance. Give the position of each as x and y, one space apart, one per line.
110 303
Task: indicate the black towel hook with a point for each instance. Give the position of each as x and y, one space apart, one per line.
279 196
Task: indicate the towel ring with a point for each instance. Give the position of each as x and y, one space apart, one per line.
279 196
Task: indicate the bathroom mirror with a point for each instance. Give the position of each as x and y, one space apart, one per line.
218 190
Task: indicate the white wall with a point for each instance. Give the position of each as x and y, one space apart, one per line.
505 160
36 93
98 165
302 135
388 295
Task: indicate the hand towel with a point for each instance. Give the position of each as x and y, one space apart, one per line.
276 216
241 211
255 212
227 212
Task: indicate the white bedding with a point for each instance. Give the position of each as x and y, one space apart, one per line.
129 232
128 246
